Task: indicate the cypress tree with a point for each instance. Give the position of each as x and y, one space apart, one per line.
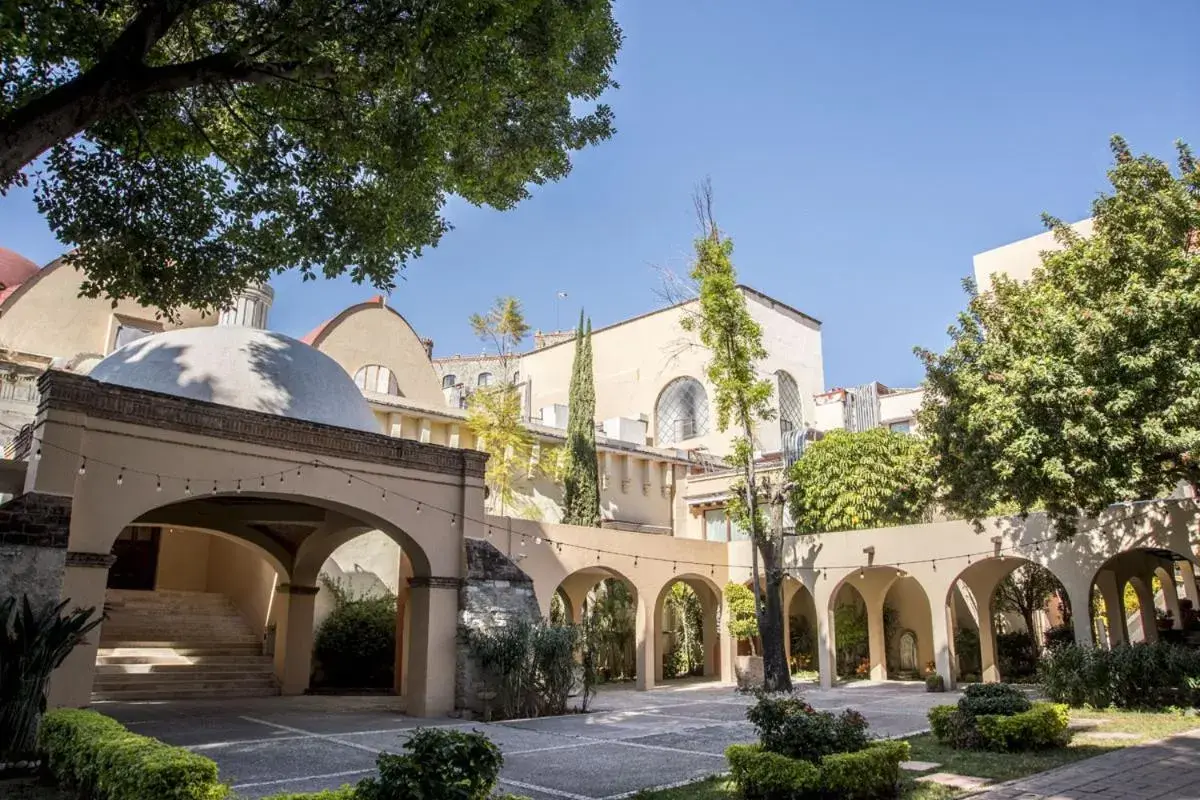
581 491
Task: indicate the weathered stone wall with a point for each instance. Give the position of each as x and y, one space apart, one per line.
494 593
33 546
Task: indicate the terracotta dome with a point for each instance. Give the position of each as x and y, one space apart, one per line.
15 268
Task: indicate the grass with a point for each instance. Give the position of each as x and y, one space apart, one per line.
31 790
996 767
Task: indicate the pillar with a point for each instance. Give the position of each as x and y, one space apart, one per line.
84 583
433 645
647 647
1147 611
876 641
1114 607
424 430
1190 591
1170 591
1079 592
826 654
787 631
988 668
942 637
294 636
395 425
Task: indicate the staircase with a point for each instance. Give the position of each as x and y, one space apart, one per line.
168 645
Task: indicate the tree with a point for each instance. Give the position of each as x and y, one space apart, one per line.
685 656
494 412
1081 387
743 615
734 341
1025 591
857 480
581 486
189 147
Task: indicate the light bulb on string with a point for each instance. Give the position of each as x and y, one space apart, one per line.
537 540
453 520
597 556
215 489
281 477
37 456
861 573
559 546
121 476
933 563
383 495
187 486
522 540
158 483
968 558
635 561
674 567
488 533
238 488
712 569
262 482
418 506
83 466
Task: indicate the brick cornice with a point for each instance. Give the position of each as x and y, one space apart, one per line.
434 582
91 560
64 391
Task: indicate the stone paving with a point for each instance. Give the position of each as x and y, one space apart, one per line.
1166 770
634 740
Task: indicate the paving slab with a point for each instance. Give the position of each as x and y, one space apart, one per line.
711 740
609 768
953 781
918 766
273 761
608 725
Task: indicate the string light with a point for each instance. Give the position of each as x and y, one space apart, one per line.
418 506
121 477
537 540
383 495
349 479
861 573
158 483
37 456
453 520
262 482
933 564
522 541
215 489
238 488
488 533
187 486
83 466
635 561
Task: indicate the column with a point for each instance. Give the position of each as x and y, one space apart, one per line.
988 668
433 649
1188 573
453 435
1170 591
1146 608
294 636
826 656
1114 607
424 430
646 645
876 641
84 583
395 425
942 636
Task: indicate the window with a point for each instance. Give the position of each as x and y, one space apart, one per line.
737 533
791 407
448 381
681 412
903 426
716 528
374 378
484 379
128 332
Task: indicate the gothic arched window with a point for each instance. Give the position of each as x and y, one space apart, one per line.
791 407
681 412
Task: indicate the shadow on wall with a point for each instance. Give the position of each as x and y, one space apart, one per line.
355 582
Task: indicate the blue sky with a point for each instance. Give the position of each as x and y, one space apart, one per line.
861 153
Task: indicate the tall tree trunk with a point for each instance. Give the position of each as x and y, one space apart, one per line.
777 676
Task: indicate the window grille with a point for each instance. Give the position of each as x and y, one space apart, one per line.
791 407
378 379
681 412
448 381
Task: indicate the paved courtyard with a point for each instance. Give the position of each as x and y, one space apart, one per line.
1166 770
635 740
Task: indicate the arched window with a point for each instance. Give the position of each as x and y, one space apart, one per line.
484 379
681 412
448 381
791 407
374 378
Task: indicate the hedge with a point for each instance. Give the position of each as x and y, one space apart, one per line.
344 793
872 772
1042 726
98 758
1140 676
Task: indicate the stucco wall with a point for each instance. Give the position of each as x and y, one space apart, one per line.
375 334
1018 259
245 577
183 557
366 566
46 316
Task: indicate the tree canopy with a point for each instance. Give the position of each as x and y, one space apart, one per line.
190 147
857 480
1081 387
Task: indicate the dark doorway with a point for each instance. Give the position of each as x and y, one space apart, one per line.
136 550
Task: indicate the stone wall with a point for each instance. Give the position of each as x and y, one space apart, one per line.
494 593
33 546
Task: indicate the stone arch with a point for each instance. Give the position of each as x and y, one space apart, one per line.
864 593
800 626
708 594
626 653
1137 566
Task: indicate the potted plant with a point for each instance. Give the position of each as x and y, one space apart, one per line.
1164 619
743 627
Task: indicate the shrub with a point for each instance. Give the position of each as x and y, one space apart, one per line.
1059 636
872 772
1141 676
1016 656
966 648
953 728
1043 726
344 793
992 698
355 646
763 775
530 666
743 619
790 727
935 683
99 758
439 765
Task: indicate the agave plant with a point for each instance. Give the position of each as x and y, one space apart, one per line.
33 643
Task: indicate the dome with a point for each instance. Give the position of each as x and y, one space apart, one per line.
15 269
241 367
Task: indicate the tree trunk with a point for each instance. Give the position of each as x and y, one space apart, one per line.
776 675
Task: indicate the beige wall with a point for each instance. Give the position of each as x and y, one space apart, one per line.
245 577
46 316
372 333
633 361
1018 259
367 566
183 560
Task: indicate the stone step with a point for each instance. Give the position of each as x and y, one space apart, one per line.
175 640
264 667
162 695
186 681
186 649
134 658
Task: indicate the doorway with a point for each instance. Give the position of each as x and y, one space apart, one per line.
136 551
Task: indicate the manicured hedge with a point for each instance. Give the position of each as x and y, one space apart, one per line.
1141 676
872 772
344 793
1042 726
97 757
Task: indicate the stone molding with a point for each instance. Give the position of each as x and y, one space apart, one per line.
64 391
434 582
291 588
92 560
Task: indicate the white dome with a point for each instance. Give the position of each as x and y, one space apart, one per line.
241 367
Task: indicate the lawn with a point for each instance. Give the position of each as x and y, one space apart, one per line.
996 767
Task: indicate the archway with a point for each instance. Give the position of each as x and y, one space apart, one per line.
686 629
607 604
1137 596
874 614
1000 610
800 617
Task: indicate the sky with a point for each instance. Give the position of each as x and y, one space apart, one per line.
860 153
